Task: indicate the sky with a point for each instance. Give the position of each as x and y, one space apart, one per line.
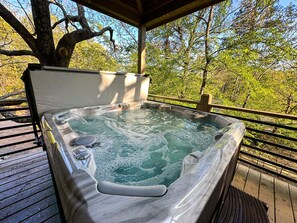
286 2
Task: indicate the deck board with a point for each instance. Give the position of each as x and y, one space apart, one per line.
29 166
283 207
252 183
31 210
43 215
26 190
25 180
22 204
22 187
240 177
266 193
280 196
293 194
23 175
54 219
27 193
20 161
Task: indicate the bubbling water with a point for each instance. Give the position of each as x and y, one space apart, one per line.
143 146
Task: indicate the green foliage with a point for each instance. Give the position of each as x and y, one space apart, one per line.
11 68
87 55
91 55
252 51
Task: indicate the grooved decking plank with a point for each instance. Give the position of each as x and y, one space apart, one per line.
23 204
25 194
42 216
31 210
24 171
44 171
6 170
266 194
283 206
11 169
21 160
293 193
252 183
42 177
240 176
54 219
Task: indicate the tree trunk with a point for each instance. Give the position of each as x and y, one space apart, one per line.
235 90
42 22
225 86
204 80
43 46
206 49
246 99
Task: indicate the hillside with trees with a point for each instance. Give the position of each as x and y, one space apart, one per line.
242 52
244 55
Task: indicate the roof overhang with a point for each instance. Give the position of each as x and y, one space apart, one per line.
150 13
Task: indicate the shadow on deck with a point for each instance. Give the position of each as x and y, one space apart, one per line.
27 193
280 196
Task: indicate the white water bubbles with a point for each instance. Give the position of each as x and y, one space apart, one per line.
143 146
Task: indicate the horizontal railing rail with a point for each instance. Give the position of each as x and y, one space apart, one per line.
271 134
9 102
253 111
263 146
17 133
175 99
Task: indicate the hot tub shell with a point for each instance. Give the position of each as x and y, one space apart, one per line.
194 196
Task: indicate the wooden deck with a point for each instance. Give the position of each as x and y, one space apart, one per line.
280 196
27 193
26 190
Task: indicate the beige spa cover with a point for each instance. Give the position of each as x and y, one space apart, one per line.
60 88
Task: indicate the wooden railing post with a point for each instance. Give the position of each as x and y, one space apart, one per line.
205 101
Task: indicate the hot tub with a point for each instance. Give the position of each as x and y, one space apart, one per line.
187 182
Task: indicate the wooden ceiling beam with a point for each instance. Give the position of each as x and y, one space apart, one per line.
139 6
115 10
174 10
149 15
127 7
156 7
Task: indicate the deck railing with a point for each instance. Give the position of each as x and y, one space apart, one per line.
270 141
17 134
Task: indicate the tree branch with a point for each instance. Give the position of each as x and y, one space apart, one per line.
4 41
67 18
27 15
12 94
83 21
129 33
58 22
201 18
17 52
105 29
14 62
67 44
18 27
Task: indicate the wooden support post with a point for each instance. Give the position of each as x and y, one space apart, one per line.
141 49
205 100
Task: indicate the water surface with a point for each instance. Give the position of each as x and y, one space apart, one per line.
143 146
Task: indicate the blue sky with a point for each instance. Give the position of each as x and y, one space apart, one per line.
286 2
